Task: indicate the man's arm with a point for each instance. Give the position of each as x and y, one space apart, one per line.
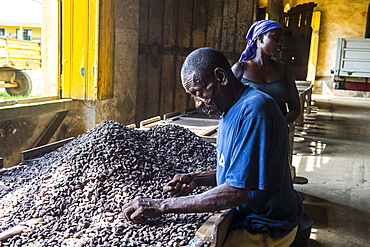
218 198
184 184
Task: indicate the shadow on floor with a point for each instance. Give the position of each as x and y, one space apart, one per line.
335 224
331 150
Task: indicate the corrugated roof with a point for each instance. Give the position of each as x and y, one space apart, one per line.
21 11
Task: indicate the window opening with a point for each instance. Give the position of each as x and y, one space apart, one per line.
27 34
21 72
287 8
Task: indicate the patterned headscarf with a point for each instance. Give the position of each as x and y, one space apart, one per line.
259 27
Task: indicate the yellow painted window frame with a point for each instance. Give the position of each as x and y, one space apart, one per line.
87 54
314 46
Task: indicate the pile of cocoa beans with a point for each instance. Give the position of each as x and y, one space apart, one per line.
78 190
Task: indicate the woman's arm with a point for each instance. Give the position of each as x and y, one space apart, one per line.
294 107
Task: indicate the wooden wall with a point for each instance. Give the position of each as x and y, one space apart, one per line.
168 31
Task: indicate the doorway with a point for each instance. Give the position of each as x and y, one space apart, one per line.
297 39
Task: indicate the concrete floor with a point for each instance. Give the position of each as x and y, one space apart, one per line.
333 152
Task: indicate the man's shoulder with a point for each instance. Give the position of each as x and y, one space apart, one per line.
258 102
257 96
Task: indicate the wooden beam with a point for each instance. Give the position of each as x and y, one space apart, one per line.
38 108
50 130
216 228
43 149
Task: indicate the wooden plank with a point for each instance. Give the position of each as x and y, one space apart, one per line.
66 56
28 100
21 64
141 101
105 44
6 102
171 115
182 98
154 64
214 28
244 20
79 51
51 128
25 54
31 109
229 26
131 126
164 41
216 228
7 50
314 47
169 80
199 23
209 131
144 22
184 32
156 10
153 85
94 57
171 9
20 54
24 62
168 77
149 122
43 149
23 45
88 67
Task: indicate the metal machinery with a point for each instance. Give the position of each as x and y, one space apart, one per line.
15 56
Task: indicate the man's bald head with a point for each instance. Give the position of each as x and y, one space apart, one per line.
206 75
202 63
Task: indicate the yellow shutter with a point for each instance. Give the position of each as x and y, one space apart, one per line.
314 46
87 49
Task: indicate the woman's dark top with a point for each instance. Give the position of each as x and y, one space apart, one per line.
277 90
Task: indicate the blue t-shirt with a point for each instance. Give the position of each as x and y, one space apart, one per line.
252 152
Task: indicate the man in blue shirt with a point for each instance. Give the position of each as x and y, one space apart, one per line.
252 174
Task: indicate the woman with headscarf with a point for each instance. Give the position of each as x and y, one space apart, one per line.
257 68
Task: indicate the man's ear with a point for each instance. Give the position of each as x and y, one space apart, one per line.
221 76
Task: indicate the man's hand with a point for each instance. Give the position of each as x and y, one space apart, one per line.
141 208
180 185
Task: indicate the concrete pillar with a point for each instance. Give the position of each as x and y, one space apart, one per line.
122 107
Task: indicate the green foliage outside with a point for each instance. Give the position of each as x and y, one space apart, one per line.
5 96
